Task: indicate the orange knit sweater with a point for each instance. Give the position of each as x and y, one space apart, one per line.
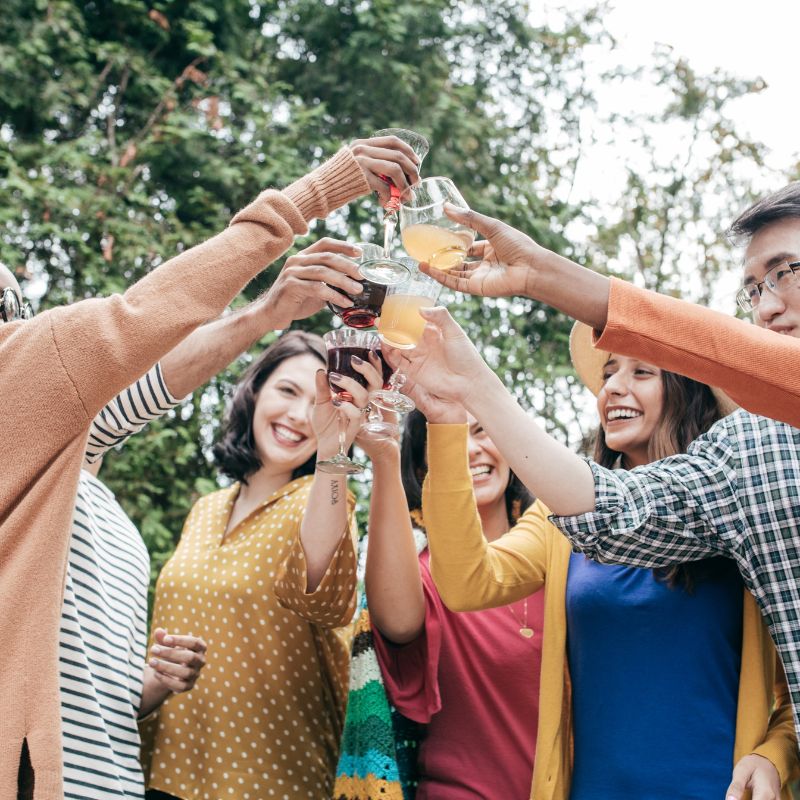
758 368
57 371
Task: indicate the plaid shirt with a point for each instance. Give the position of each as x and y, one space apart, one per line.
736 492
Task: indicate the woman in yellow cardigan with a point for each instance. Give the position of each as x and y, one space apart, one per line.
694 631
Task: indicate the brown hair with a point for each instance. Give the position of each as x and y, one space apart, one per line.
689 410
235 452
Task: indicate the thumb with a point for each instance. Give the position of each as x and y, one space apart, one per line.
323 389
440 317
741 778
487 226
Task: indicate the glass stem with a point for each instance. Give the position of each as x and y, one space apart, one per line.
389 225
342 434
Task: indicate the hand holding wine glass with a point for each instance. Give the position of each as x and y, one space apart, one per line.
445 362
507 259
382 157
310 278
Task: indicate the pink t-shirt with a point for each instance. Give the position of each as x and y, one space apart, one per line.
474 679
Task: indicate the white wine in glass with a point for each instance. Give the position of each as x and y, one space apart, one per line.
428 234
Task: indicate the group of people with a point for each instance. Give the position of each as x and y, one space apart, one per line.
488 657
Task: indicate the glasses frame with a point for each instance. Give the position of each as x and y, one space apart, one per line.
743 299
11 309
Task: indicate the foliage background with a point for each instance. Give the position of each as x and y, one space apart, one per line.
130 130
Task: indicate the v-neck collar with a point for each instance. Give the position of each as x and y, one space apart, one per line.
226 509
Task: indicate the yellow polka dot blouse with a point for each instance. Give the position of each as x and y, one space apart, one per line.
265 716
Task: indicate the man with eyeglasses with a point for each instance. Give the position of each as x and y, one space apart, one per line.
57 372
736 492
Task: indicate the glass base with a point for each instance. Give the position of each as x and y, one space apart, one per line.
340 465
392 401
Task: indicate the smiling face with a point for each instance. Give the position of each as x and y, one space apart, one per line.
630 404
490 471
776 242
282 415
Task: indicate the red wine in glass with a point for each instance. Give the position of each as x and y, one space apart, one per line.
340 359
366 306
377 276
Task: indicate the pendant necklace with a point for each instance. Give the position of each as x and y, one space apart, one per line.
524 630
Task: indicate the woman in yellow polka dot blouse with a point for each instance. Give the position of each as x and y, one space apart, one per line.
265 718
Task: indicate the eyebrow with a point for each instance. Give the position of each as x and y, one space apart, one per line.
779 258
291 382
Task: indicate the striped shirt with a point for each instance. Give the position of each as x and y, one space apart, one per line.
103 633
735 492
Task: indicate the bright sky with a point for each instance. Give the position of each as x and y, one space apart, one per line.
748 40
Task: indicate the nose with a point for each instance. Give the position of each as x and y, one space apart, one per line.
617 383
473 447
300 410
770 305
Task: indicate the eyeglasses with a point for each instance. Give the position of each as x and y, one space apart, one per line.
10 307
778 279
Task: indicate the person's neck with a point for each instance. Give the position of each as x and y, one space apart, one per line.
633 459
260 485
494 519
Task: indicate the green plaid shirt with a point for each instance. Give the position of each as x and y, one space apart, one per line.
736 492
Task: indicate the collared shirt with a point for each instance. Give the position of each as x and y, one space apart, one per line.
103 632
736 492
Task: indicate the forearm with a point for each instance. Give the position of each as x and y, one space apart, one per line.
552 472
393 582
210 348
154 693
324 522
469 573
105 344
756 367
581 293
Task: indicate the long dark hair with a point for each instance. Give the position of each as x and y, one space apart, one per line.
235 453
414 468
689 410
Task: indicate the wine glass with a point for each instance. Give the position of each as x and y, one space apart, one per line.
400 325
427 233
378 274
341 345
419 144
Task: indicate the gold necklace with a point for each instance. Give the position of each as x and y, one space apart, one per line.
524 631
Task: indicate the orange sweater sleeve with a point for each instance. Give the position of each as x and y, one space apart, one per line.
105 344
757 368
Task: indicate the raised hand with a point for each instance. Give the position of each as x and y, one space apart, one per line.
445 362
506 259
307 282
386 156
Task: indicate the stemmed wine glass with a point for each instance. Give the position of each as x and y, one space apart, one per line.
341 345
378 275
428 234
419 144
400 325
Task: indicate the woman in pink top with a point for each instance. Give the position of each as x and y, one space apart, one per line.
459 673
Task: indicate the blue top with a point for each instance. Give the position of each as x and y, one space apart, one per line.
655 681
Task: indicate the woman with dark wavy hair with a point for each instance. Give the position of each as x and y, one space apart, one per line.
266 569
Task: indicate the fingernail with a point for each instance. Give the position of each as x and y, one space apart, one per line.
153 662
334 376
168 640
357 361
155 649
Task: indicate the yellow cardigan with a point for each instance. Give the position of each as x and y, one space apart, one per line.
472 574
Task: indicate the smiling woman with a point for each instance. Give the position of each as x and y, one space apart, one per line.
267 719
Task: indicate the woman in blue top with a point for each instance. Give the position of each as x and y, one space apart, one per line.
653 704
